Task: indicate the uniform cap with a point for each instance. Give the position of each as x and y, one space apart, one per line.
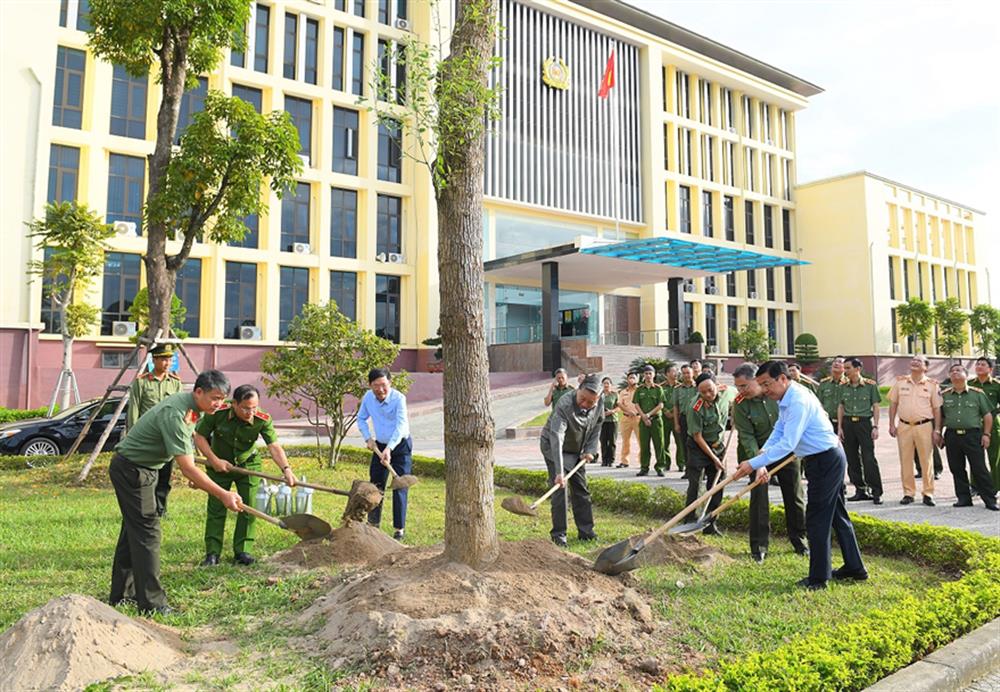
591 383
163 351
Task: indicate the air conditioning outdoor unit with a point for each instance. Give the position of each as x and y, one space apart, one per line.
401 24
688 286
897 348
306 161
381 257
123 328
712 290
175 148
770 142
732 129
301 248
753 295
395 258
124 228
250 333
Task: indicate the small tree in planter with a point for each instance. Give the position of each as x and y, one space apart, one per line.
438 364
753 342
915 318
696 338
950 322
806 349
139 312
985 323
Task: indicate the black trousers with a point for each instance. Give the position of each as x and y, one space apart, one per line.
609 442
790 481
163 485
135 573
698 466
967 448
862 467
579 495
826 511
401 461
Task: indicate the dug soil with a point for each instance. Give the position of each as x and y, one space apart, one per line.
351 544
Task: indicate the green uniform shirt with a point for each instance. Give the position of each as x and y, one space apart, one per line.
684 396
559 392
668 399
754 420
858 399
963 411
991 388
232 438
809 384
648 397
610 401
828 392
162 434
709 419
147 391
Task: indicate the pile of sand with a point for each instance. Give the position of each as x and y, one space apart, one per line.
73 641
683 549
364 498
354 543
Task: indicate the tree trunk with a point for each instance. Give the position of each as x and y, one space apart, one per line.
470 535
67 362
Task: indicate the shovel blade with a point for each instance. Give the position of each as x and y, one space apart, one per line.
307 526
620 557
690 527
516 505
404 482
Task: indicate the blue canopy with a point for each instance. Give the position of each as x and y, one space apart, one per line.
690 255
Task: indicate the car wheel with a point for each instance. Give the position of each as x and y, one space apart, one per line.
40 446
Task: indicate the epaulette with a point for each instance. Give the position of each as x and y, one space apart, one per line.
932 380
145 376
899 378
947 390
976 389
738 399
192 416
173 375
263 416
868 381
828 378
698 404
226 406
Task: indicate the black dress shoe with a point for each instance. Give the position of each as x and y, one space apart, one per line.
929 501
712 530
621 466
859 496
398 534
801 550
963 503
758 557
992 507
211 560
811 585
844 574
937 476
907 500
587 537
245 558
660 473
876 499
644 472
560 541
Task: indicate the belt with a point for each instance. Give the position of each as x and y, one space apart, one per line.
966 431
915 423
855 419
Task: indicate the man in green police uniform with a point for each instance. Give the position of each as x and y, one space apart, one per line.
991 388
754 416
558 388
967 416
649 400
795 375
164 433
857 427
683 398
667 418
706 420
228 438
828 389
147 390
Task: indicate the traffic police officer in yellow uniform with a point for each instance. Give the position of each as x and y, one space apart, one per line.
968 419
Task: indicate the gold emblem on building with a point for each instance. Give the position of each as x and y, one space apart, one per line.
555 73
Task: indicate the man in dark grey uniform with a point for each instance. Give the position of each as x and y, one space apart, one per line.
571 434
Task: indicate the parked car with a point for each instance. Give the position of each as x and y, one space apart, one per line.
54 436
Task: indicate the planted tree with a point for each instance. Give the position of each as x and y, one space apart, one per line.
806 348
72 240
950 322
753 343
985 323
139 313
322 372
215 180
915 320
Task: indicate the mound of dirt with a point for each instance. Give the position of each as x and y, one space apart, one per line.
426 622
364 498
681 549
354 543
73 641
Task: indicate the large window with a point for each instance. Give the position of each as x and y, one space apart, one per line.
250 238
310 68
385 13
49 315
301 112
748 222
688 321
192 102
711 330
390 164
731 284
705 101
768 225
358 7
752 316
295 217
772 326
728 110
708 157
301 49
790 331
892 279
344 292
732 325
343 223
683 94
728 219
707 228
392 72
261 32
752 284
906 279
67 106
748 118
786 229
121 283
789 294
81 21
684 150
390 224
769 282
387 307
338 58
126 180
728 163
294 294
291 44
255 97
684 207
241 298
358 63
64 172
749 177
345 141
188 289
128 104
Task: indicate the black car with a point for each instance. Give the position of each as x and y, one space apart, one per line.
54 436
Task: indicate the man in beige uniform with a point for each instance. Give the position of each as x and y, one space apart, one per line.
630 418
917 400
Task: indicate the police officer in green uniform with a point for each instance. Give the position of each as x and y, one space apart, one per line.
164 433
559 387
147 390
648 399
857 427
967 416
795 375
683 397
707 418
667 417
754 416
828 390
609 428
228 438
991 388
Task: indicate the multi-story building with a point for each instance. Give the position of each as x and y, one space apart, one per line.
696 141
891 242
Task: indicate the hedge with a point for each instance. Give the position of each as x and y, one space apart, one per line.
9 415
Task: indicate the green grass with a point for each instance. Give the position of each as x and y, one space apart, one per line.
57 539
536 422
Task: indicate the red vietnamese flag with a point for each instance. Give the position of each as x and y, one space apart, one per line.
608 80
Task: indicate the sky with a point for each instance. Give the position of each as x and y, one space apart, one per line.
910 89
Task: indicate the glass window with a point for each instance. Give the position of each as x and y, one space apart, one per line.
728 220
387 307
711 332
291 44
345 141
49 315
344 292
128 104
338 59
237 57
255 97
358 64
192 102
769 278
706 214
295 217
64 172
67 107
188 289
748 222
906 280
344 223
312 46
786 229
359 7
82 22
750 173
390 224
752 283
262 31
250 238
752 315
772 325
683 95
892 279
294 294
728 115
705 94
516 234
789 295
121 283
301 112
708 157
383 11
684 194
768 225
731 284
241 298
401 9
732 324
790 331
688 321
126 180
389 155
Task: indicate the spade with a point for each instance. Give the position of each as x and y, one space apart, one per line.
517 505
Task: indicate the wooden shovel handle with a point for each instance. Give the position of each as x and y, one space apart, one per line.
266 517
676 519
258 474
555 486
729 503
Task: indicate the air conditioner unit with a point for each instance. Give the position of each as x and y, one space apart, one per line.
897 348
753 295
401 24
732 129
395 258
381 257
687 286
770 142
712 290
301 248
250 333
175 148
306 161
124 228
123 328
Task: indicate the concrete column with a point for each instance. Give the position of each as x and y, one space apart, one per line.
551 346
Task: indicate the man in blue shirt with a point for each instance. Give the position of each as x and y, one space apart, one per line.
389 441
804 429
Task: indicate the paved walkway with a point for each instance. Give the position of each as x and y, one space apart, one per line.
989 683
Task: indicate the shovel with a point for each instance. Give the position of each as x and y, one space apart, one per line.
401 482
305 526
300 484
516 505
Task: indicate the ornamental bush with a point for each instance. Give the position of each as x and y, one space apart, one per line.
806 348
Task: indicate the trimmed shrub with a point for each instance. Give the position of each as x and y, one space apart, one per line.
9 415
806 348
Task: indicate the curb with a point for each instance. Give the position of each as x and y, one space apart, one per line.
951 667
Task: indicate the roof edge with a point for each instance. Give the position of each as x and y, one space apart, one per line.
890 181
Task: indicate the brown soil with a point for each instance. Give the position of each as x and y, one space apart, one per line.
73 641
354 543
364 498
537 617
681 549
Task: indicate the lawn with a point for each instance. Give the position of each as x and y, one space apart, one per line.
57 539
536 422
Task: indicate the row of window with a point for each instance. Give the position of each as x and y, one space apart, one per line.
712 285
713 312
930 234
708 201
968 297
764 181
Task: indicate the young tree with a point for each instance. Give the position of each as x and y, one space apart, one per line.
753 343
139 312
72 240
806 348
915 319
950 322
215 176
985 324
326 362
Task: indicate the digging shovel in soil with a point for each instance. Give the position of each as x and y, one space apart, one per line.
305 526
401 482
516 505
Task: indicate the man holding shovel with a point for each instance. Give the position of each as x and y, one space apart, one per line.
571 435
707 419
